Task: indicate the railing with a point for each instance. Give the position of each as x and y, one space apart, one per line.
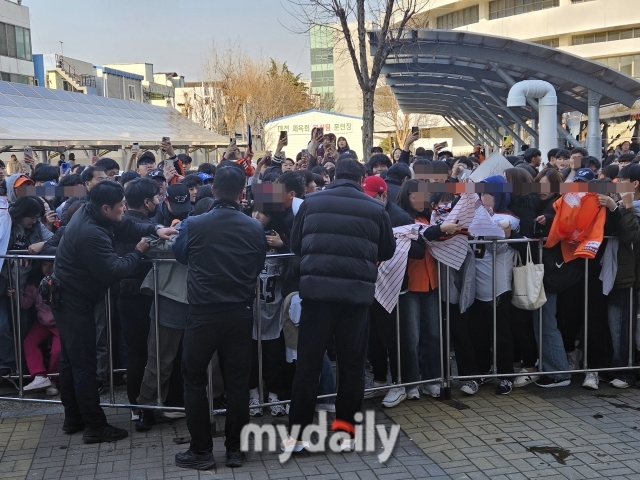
445 378
82 80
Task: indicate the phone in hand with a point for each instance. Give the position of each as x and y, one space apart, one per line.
270 233
28 151
319 132
136 146
415 130
64 167
283 135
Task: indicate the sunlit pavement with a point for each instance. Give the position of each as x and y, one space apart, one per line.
533 433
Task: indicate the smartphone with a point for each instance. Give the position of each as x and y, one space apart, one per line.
135 147
28 151
64 167
270 233
166 140
320 132
305 152
283 134
232 140
415 130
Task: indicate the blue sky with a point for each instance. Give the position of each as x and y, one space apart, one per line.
174 35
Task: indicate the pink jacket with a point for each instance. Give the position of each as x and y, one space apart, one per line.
32 296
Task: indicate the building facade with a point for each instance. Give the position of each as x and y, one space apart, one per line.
16 60
157 88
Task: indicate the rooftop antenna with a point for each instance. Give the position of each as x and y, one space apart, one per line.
61 50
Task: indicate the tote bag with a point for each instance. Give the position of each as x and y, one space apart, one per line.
528 291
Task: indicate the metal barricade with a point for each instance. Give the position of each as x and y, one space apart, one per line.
445 379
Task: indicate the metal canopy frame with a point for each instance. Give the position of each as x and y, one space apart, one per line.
465 77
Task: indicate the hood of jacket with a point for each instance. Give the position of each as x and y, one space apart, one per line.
11 181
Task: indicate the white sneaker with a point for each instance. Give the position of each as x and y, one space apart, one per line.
254 409
394 397
433 390
526 379
591 380
574 359
376 393
51 391
287 407
135 414
290 444
38 383
470 387
173 414
276 410
617 383
326 407
413 393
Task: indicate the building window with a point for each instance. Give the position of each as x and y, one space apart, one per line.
459 18
628 64
550 42
14 77
609 36
508 8
15 41
321 55
581 1
132 92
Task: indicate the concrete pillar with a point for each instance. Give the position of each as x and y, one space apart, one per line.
594 135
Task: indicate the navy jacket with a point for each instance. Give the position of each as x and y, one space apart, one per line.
341 233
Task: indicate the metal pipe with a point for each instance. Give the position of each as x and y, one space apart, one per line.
157 335
466 129
540 245
586 312
259 328
443 385
594 135
479 129
516 118
399 357
112 397
490 128
495 310
447 357
630 364
495 118
19 324
460 132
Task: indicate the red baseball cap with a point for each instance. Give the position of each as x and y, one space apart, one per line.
374 185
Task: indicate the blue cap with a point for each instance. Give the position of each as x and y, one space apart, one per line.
49 184
205 176
584 175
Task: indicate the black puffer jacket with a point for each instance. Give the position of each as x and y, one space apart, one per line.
341 233
86 260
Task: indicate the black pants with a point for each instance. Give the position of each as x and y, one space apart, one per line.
481 328
134 315
524 339
319 323
78 361
462 343
570 313
273 366
228 333
383 342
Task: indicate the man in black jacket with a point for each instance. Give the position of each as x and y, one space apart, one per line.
340 233
396 176
225 250
86 265
175 207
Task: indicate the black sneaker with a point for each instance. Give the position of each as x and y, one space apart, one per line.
5 372
235 458
108 433
548 382
146 421
199 461
505 387
72 426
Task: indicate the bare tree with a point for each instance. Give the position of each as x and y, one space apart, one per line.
389 18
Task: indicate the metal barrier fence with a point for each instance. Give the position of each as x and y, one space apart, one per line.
445 378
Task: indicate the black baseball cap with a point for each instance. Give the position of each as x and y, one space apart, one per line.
186 159
146 157
179 199
157 174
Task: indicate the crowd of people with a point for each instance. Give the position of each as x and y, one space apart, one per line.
369 242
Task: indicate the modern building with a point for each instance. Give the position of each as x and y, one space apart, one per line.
607 31
333 79
157 88
16 61
299 126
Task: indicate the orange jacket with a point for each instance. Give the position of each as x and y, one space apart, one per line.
578 225
423 274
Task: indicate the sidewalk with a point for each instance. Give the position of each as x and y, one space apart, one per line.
533 433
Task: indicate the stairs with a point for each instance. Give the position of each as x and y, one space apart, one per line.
80 83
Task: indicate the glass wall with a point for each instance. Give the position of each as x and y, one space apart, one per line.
15 41
321 40
459 18
508 8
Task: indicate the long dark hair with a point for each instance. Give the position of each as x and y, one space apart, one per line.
409 187
26 207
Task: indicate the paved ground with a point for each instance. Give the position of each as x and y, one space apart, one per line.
533 433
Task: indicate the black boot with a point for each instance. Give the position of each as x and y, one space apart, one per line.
146 421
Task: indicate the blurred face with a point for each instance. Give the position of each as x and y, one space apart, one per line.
98 176
535 161
287 166
545 188
488 201
28 222
116 213
145 168
163 187
396 154
3 173
193 191
312 187
261 217
342 143
47 268
575 160
151 204
418 201
111 174
378 169
562 162
626 146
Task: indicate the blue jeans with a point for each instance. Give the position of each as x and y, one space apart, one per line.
618 313
420 336
327 381
554 356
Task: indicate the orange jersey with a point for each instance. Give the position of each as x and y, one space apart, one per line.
578 225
